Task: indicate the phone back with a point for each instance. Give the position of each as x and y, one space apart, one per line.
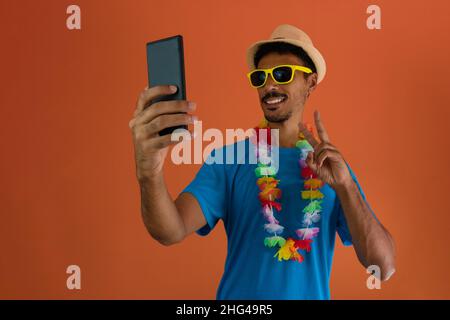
165 62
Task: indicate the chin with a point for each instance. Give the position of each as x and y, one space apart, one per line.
275 114
277 117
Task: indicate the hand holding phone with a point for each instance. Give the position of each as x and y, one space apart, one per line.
150 147
165 62
159 111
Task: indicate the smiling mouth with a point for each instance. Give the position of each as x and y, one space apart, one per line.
274 103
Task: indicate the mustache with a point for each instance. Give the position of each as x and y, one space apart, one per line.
273 94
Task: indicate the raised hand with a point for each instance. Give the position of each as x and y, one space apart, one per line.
148 119
326 161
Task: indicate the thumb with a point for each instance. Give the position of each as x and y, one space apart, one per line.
310 162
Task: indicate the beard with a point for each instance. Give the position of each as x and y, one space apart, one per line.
278 118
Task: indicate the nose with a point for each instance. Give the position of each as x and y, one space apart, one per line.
270 83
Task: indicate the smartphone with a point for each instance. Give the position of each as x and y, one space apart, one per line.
165 64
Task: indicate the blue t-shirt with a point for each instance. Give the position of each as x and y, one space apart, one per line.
229 192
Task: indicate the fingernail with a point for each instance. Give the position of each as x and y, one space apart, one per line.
192 105
173 88
194 119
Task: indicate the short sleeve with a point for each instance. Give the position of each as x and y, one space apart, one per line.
209 188
342 227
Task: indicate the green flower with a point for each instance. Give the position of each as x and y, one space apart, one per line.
274 241
313 206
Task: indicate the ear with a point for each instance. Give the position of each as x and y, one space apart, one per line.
311 83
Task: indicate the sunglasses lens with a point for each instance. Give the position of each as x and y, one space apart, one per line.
282 74
258 78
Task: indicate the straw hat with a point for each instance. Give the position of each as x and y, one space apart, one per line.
293 35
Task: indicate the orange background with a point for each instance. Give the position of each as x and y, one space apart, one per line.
68 189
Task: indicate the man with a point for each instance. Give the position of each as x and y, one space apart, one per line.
229 191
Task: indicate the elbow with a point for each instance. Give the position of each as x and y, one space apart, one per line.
165 237
169 241
385 266
387 273
384 257
389 260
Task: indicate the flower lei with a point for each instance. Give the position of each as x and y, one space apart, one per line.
269 194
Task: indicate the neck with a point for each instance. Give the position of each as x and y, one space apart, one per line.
288 131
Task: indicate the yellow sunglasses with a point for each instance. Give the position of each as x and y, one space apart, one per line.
282 74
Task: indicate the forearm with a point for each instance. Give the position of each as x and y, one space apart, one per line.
159 213
372 242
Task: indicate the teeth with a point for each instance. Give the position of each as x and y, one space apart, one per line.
274 100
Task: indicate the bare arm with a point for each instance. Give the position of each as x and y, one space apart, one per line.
166 220
372 242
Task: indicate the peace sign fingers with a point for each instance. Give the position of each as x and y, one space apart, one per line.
321 131
323 135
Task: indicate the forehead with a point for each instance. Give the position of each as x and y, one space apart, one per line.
273 59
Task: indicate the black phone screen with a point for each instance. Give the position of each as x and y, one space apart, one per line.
165 62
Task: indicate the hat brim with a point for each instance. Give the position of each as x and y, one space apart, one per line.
313 53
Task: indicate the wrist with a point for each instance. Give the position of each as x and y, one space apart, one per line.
152 178
345 186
